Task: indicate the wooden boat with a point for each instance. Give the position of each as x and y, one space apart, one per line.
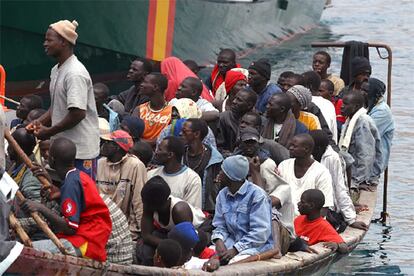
302 263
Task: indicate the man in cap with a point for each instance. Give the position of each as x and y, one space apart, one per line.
243 219
259 76
234 82
361 71
72 113
121 176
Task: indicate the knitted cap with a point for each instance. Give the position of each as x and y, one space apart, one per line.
185 234
236 167
66 29
302 94
360 65
262 67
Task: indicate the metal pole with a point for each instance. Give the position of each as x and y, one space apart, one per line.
384 213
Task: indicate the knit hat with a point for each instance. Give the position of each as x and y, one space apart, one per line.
302 94
360 65
66 29
249 133
135 125
232 77
187 108
122 138
236 167
185 234
262 67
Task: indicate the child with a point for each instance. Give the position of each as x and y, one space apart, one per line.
313 228
167 254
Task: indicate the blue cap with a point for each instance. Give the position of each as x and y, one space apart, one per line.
185 234
236 167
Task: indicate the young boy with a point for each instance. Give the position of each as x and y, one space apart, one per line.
167 254
312 227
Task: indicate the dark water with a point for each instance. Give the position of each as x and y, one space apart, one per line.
386 249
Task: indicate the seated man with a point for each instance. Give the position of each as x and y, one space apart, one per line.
27 104
234 82
277 152
183 181
164 210
243 217
229 121
143 151
312 227
302 172
360 143
167 254
191 88
263 173
281 124
121 176
323 153
86 225
203 159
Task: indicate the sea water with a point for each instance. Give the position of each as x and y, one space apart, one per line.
386 249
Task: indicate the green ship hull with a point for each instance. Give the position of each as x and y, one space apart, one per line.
112 33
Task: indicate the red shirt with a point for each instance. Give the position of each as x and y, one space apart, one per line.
86 212
217 79
338 104
315 231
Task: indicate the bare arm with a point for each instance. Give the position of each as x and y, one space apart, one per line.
147 228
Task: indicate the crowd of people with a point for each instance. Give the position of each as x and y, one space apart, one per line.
177 171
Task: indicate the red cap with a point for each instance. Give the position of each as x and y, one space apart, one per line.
121 137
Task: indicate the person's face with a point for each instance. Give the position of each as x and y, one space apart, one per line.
274 108
136 71
296 108
240 103
162 155
320 64
304 206
297 148
248 121
238 86
184 90
108 148
324 92
255 78
53 44
363 77
283 83
100 97
225 63
23 109
187 134
44 149
348 107
223 179
147 86
249 148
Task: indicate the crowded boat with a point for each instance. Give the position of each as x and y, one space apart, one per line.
185 172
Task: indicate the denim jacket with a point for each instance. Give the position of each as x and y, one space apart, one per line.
243 220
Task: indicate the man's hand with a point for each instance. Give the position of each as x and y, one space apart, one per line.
211 265
220 246
228 255
31 127
43 132
331 245
38 170
29 206
254 165
359 225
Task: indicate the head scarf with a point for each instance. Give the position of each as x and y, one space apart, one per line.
376 90
187 108
302 94
232 77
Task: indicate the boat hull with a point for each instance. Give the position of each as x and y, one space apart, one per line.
111 33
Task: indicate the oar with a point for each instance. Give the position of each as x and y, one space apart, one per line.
10 100
15 224
259 257
40 222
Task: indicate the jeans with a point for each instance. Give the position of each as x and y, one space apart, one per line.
49 246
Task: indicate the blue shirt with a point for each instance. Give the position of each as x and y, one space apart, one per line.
244 220
263 97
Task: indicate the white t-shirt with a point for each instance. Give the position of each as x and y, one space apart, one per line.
276 186
185 184
328 111
205 105
316 177
71 87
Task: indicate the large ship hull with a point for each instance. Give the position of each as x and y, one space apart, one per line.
111 33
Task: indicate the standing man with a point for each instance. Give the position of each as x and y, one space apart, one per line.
226 61
132 97
72 113
259 76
